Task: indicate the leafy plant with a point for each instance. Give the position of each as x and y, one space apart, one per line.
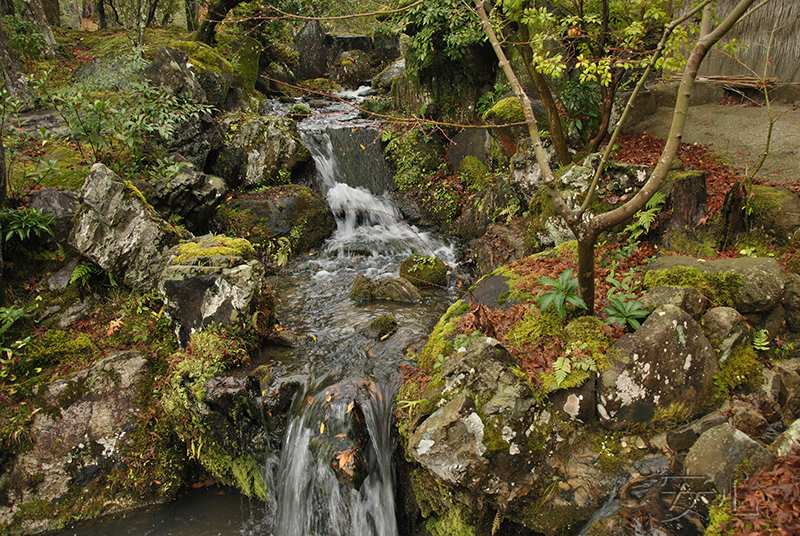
84 272
462 340
565 364
491 97
645 218
579 105
565 290
279 250
25 222
625 312
25 37
761 340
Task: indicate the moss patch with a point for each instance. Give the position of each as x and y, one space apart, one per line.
424 271
215 246
719 287
508 110
742 370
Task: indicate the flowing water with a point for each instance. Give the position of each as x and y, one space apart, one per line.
347 368
342 368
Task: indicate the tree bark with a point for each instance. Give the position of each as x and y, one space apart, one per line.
216 14
52 12
7 8
37 15
191 15
548 102
14 74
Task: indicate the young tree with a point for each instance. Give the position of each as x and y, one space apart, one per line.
585 226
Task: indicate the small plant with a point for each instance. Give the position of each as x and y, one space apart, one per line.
625 312
25 37
564 365
748 252
645 218
761 340
84 272
490 98
565 290
462 340
25 222
579 106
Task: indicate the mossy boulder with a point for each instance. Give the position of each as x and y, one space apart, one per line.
424 271
117 229
217 416
366 290
259 152
215 280
80 439
215 74
749 284
381 327
292 211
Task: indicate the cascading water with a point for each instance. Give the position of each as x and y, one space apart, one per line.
346 410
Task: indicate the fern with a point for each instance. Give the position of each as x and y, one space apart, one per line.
84 272
645 218
561 368
761 340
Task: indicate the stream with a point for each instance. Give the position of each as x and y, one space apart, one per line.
338 366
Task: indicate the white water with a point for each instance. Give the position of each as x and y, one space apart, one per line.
370 239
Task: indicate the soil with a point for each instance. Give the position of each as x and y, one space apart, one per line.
738 133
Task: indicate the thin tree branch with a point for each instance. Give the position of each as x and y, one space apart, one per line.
618 129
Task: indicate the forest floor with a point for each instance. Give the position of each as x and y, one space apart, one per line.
738 134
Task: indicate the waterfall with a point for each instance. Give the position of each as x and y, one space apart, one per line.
346 410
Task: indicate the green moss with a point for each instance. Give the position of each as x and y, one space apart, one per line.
540 212
720 517
440 340
742 370
763 205
131 190
719 287
508 110
431 496
474 171
535 326
215 246
423 271
456 521
668 418
321 84
414 156
205 58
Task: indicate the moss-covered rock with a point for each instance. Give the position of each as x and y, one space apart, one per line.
424 271
215 73
294 212
260 151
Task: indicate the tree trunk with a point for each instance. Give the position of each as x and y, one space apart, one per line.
15 77
52 11
38 16
102 21
216 14
548 102
191 15
7 8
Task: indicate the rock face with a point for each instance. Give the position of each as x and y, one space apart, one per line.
478 439
61 205
171 71
667 363
95 412
295 212
399 289
191 194
261 152
212 280
720 450
118 230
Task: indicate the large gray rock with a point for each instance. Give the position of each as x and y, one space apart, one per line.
84 441
720 450
687 298
212 280
117 229
262 151
312 52
191 194
170 70
668 363
763 279
478 440
791 302
61 205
